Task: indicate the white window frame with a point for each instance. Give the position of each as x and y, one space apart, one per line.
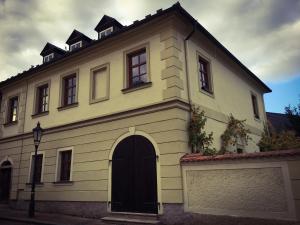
57 168
47 58
78 42
30 165
111 29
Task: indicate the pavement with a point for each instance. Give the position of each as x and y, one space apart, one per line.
21 217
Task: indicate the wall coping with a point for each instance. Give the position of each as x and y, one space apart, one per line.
198 157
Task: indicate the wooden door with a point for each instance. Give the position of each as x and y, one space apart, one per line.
134 184
5 180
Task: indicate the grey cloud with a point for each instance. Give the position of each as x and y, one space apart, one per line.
263 34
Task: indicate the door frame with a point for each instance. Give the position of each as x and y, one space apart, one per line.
131 132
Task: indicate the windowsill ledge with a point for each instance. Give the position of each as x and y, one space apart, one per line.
63 183
136 87
67 106
208 93
40 114
37 184
10 124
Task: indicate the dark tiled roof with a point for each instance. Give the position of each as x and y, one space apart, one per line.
197 157
106 22
279 122
175 8
49 48
77 36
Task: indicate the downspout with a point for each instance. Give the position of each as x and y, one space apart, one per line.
186 65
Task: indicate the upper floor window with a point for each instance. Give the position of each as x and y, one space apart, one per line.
69 95
255 106
43 98
47 58
137 68
105 32
204 75
76 45
13 110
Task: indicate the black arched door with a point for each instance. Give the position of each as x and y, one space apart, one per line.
134 185
5 181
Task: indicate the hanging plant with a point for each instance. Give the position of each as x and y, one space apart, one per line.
199 140
235 131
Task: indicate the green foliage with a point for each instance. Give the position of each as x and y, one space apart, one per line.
235 130
278 141
293 114
199 140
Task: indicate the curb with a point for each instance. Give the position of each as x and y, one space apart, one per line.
28 220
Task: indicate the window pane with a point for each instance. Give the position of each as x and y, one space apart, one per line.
143 57
143 78
143 69
135 60
65 165
135 80
135 71
38 171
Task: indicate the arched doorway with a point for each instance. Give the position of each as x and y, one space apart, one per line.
134 178
5 180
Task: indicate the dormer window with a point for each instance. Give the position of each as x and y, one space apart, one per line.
47 58
105 32
75 45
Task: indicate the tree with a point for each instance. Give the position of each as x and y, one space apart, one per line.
293 113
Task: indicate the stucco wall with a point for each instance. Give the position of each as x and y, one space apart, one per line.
232 89
92 145
241 188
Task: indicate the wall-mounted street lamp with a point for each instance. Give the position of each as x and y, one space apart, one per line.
37 136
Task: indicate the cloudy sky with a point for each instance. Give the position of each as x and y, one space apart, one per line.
263 34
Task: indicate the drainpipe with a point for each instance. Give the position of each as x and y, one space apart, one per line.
186 65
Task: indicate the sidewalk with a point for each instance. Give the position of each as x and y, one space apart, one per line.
45 218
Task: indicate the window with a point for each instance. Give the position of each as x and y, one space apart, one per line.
204 75
47 58
39 168
76 45
137 68
105 32
64 165
13 110
42 99
255 106
69 92
99 90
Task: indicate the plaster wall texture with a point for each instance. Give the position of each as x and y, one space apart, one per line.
250 189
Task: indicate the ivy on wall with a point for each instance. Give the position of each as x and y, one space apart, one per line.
199 140
235 131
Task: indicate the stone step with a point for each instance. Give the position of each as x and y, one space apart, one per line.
131 218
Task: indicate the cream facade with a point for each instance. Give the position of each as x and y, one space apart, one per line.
97 122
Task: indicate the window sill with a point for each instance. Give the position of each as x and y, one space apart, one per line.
67 106
208 93
63 183
37 184
137 87
93 101
40 114
10 124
